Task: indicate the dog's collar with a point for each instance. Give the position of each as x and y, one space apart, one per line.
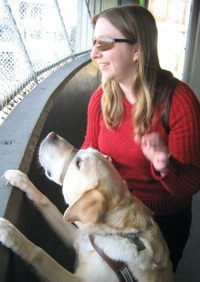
68 161
132 237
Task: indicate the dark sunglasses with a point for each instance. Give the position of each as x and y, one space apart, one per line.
106 43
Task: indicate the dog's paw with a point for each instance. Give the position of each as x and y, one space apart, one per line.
16 178
7 233
12 238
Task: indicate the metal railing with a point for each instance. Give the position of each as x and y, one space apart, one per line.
36 38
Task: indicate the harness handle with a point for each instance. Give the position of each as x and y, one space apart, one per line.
119 267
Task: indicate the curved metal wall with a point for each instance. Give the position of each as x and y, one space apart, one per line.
58 104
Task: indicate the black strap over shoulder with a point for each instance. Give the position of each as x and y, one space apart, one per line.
167 104
171 85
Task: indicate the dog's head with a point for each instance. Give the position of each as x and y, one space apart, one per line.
91 185
55 155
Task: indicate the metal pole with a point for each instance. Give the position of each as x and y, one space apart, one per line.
63 25
9 11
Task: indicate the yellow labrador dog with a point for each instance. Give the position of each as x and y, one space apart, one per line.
116 238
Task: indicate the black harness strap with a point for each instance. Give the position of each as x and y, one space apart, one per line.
168 103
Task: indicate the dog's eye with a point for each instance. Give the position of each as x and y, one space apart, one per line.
78 162
48 173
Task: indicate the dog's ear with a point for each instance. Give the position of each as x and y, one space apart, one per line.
89 209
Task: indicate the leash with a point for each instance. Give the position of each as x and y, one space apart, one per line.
119 267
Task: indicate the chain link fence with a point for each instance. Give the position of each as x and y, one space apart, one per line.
36 38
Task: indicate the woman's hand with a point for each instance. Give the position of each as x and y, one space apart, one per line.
155 150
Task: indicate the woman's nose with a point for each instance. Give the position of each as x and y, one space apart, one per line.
95 53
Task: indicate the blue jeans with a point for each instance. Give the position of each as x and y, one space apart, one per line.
176 230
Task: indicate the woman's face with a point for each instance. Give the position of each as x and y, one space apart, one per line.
116 64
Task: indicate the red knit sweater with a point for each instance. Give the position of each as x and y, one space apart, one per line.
163 195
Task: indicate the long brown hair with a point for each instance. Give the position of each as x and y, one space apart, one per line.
136 24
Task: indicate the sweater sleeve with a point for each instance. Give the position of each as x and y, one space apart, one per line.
93 120
183 177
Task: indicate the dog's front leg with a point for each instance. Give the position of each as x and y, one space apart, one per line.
44 265
66 231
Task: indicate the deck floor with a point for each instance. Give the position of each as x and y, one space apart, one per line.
189 267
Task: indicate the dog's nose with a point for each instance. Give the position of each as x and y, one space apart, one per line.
52 135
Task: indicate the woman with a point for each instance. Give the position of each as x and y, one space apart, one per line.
125 121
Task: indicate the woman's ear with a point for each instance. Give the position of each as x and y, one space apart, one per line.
136 52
